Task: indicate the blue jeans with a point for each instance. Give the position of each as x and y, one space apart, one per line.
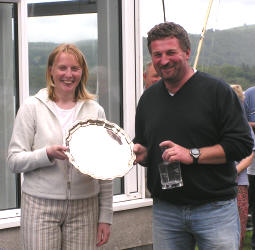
212 226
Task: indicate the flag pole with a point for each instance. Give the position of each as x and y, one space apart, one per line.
202 36
163 5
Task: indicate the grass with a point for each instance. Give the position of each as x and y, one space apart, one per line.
247 240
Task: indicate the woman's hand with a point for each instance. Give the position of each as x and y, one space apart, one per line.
57 152
103 233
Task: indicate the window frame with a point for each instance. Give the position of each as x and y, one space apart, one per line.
132 63
11 217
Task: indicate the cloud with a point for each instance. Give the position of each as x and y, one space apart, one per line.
68 28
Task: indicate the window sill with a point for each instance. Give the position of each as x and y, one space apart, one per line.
132 204
9 223
9 218
12 222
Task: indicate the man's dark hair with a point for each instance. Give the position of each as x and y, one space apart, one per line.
169 29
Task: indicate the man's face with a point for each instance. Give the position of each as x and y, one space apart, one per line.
150 76
169 60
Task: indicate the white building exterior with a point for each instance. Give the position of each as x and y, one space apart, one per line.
116 79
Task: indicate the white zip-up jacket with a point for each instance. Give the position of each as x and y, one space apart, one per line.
36 127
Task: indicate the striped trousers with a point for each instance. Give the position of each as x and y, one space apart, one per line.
59 224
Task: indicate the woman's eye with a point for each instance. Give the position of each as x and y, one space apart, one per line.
75 68
62 68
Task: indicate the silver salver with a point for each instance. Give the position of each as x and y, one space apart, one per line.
100 149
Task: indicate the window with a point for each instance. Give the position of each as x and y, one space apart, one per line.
223 53
83 24
108 34
9 197
95 27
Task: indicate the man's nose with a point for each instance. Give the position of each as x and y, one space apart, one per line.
164 59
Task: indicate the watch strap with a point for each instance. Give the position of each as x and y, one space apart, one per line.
194 155
195 160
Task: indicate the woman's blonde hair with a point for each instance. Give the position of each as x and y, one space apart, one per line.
239 91
81 93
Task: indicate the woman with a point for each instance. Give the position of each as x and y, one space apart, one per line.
60 208
242 179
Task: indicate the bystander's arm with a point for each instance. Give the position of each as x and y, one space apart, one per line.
252 124
245 163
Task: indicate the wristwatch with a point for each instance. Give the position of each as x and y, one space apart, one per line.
195 153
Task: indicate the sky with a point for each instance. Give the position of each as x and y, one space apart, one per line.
62 28
190 14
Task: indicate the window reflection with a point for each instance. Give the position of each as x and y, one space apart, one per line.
94 27
56 30
226 49
8 101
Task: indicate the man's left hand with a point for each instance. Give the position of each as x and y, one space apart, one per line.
175 152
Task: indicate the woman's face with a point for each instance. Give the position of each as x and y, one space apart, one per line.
66 73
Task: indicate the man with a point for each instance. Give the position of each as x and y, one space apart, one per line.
150 76
197 117
249 106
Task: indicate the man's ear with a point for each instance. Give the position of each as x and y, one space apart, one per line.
188 54
144 76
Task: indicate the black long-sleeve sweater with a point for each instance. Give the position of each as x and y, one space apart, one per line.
204 112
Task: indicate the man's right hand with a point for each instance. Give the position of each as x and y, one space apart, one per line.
140 152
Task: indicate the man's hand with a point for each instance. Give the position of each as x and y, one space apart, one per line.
176 152
209 155
56 152
140 152
103 233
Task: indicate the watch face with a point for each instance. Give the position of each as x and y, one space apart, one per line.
195 152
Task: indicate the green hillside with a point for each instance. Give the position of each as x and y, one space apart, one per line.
228 54
232 46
